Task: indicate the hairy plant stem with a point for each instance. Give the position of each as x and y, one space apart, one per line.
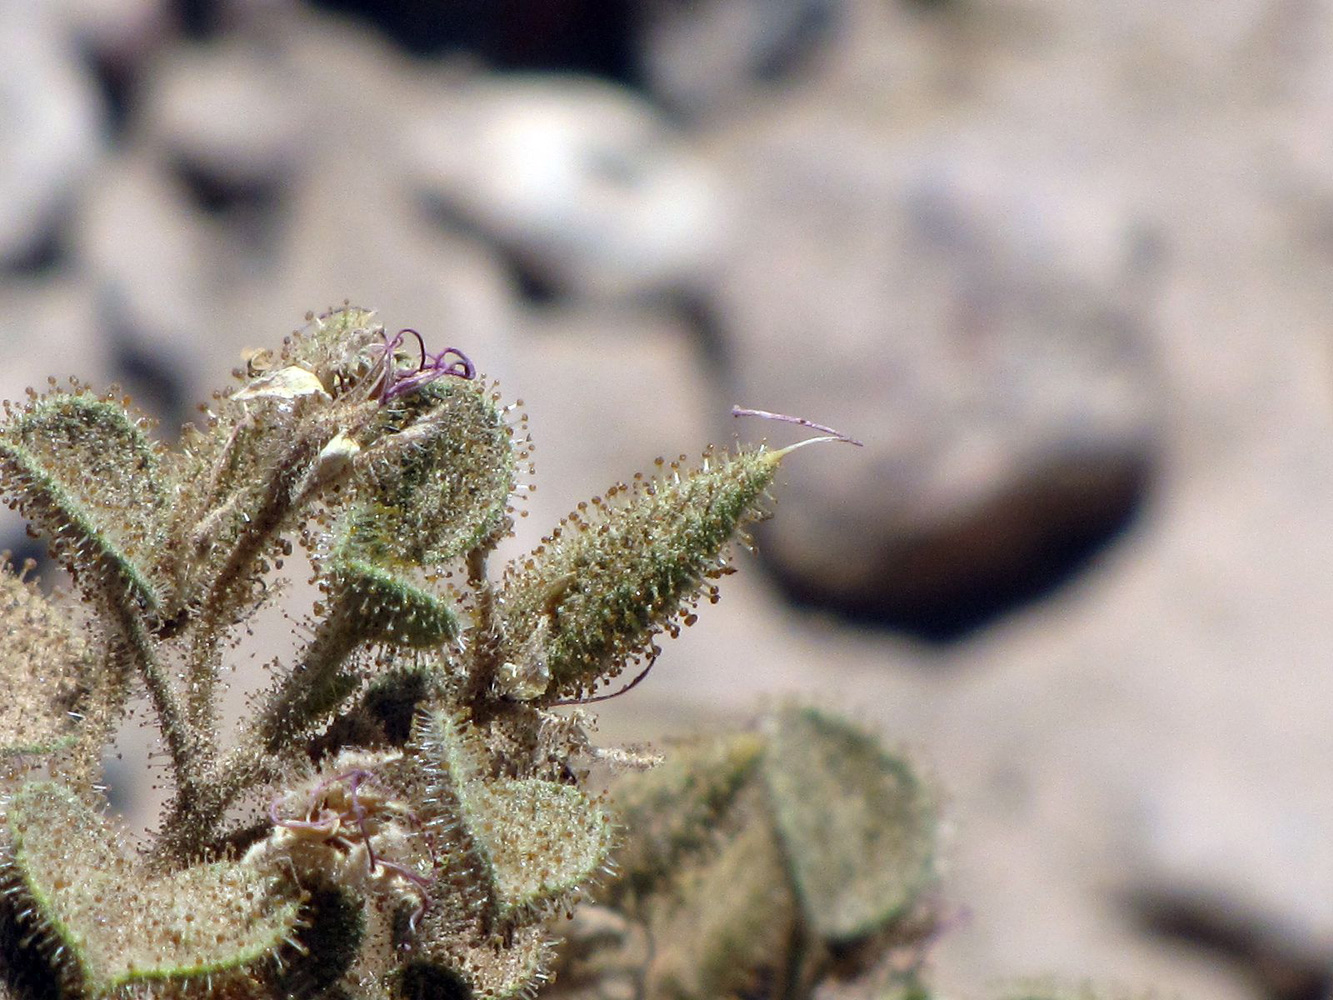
310 692
219 603
488 654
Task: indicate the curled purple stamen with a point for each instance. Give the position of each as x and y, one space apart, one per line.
327 825
400 382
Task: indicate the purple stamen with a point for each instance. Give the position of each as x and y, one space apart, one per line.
327 825
397 383
742 411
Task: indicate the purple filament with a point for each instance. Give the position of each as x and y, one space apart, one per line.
403 382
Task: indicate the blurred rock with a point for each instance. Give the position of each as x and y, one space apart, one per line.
575 36
119 30
47 328
145 258
609 389
701 57
350 230
581 182
970 314
51 129
227 115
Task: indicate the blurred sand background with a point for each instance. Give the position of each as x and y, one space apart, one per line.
1063 265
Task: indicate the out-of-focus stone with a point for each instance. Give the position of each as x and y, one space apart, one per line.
609 389
701 57
119 31
579 180
145 257
228 113
51 125
47 328
969 314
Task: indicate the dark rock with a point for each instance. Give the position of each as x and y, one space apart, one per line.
701 57
970 316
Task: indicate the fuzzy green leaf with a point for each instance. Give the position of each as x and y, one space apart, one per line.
442 482
85 474
544 840
606 581
728 927
391 609
109 925
46 670
856 825
490 970
672 810
534 844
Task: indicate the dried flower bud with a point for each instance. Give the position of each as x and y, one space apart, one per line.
286 385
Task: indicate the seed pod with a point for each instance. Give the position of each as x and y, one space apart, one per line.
389 608
513 969
606 581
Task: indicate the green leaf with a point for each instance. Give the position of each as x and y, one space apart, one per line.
674 809
46 669
86 475
544 840
390 608
727 927
108 925
491 970
439 480
532 844
609 579
856 825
